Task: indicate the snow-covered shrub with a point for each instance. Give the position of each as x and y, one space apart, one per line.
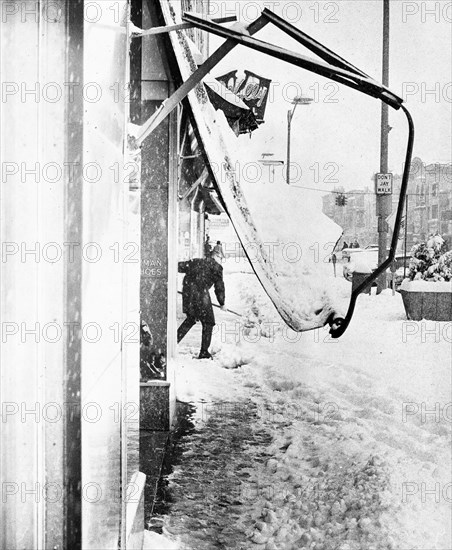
430 261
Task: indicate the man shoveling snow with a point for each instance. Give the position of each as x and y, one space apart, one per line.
200 275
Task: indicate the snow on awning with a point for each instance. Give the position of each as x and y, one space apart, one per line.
302 305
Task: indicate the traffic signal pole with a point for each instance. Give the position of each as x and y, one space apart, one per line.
384 202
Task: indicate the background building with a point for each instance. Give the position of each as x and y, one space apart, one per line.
428 209
430 200
357 216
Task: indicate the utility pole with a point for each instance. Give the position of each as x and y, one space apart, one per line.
384 201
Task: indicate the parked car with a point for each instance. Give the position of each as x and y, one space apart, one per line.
348 252
367 261
362 260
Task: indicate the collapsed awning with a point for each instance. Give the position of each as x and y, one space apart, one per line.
218 143
214 137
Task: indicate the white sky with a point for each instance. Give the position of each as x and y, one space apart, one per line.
346 133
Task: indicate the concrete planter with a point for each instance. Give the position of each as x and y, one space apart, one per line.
433 302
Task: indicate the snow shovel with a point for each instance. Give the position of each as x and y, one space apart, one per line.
219 307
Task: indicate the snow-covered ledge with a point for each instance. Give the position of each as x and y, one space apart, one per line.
427 300
426 286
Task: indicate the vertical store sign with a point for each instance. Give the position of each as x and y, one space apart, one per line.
252 90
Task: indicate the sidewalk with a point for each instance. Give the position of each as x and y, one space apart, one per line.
303 444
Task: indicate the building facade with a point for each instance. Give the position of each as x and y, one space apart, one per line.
68 455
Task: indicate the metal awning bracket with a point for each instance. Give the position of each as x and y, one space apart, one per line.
202 177
138 33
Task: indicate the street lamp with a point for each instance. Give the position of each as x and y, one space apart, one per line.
298 100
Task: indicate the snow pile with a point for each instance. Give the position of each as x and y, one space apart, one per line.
340 506
260 318
232 356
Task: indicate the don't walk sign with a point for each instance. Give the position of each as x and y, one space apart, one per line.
383 184
383 190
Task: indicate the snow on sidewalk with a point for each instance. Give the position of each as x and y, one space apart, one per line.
306 442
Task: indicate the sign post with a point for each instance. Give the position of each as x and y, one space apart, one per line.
383 191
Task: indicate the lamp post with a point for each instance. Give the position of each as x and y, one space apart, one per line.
298 100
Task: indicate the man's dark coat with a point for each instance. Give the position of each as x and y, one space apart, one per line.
200 275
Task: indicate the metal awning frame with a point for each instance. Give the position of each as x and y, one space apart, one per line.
333 67
138 33
204 175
